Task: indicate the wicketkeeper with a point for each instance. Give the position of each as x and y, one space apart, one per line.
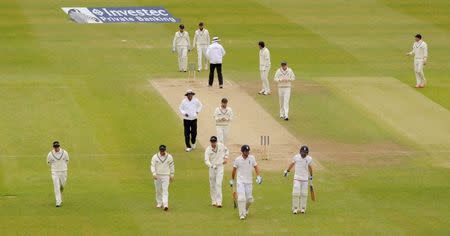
303 173
243 166
216 155
58 159
163 170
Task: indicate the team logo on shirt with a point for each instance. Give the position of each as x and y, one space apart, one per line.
95 15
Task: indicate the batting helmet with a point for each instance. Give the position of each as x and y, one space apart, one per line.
245 148
305 149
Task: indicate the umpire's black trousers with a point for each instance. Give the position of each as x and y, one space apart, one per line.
212 67
190 132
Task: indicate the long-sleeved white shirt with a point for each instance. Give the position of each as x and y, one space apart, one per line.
191 108
215 53
420 50
201 38
284 77
216 156
162 165
223 116
181 40
264 59
58 161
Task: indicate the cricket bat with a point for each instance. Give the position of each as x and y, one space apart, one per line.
312 193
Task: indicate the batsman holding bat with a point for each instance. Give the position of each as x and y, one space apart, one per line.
303 173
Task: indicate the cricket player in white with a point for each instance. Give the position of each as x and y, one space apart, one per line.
303 173
216 155
284 76
58 159
243 166
163 170
201 41
181 45
223 116
264 67
420 52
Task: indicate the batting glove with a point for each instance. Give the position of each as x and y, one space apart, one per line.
259 179
231 183
286 172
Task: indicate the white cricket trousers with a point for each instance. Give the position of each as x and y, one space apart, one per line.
284 94
265 80
215 184
222 133
182 57
59 181
245 197
418 70
299 194
162 190
201 54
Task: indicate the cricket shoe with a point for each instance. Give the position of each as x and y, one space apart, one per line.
417 86
286 119
242 217
219 205
422 86
261 92
188 149
266 93
295 211
166 208
302 211
158 205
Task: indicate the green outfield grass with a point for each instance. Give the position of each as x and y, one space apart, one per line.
85 86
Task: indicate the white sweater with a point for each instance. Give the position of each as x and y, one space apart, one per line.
284 77
201 38
264 59
220 114
162 165
215 157
420 50
58 160
181 40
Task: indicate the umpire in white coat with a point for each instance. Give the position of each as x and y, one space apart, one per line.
215 53
216 155
58 159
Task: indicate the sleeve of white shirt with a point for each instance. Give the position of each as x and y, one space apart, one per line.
199 106
195 39
223 50
49 157
207 37
207 162
267 57
182 111
227 152
171 166
277 75
216 114
231 114
174 43
292 75
152 166
425 51
67 156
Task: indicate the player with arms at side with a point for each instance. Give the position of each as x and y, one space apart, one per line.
303 172
243 167
162 168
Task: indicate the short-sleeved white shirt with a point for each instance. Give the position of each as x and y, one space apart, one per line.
301 167
245 168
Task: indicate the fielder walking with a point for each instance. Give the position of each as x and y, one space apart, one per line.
163 170
215 53
201 41
223 116
189 108
284 76
181 45
243 167
264 68
420 52
58 159
303 172
216 155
